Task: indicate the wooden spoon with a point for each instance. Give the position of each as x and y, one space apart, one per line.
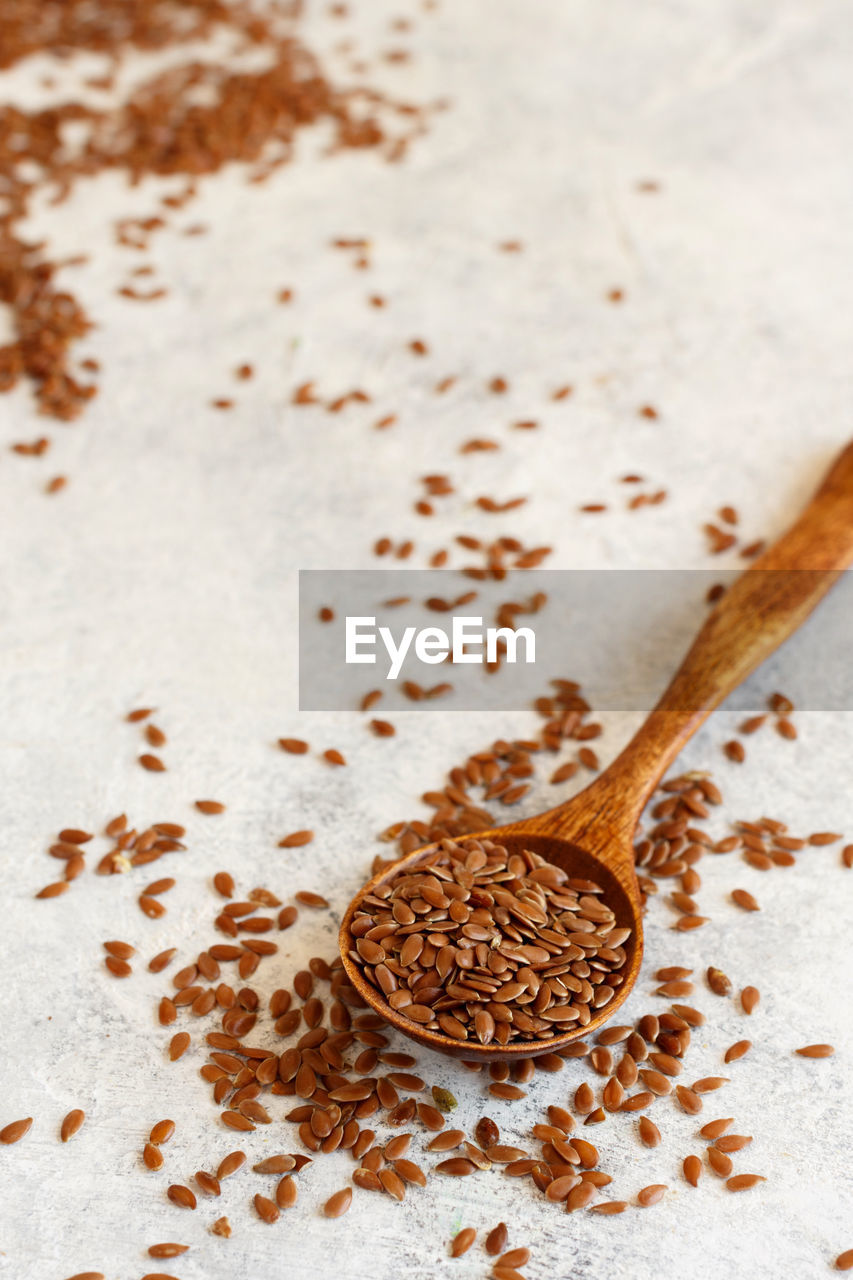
591 835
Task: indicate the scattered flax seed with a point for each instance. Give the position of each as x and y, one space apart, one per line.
737 1050
152 1158
121 950
844 1261
161 1132
57 483
152 763
15 1131
72 835
652 1194
306 899
333 756
337 1204
743 1181
462 1241
182 1196
209 806
816 1051
178 1045
72 1124
749 999
497 1240
154 737
223 883
820 838
53 890
221 1227
692 1170
719 983
118 968
735 751
745 900
296 839
161 960
293 746
167 1250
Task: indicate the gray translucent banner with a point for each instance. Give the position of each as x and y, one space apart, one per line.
620 633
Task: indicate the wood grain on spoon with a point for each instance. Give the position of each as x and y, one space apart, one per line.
591 835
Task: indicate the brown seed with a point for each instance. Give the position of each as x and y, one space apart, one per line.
816 1051
181 1196
152 1158
735 751
455 1167
54 890
392 1183
161 1132
749 999
462 1241
152 763
692 1170
509 1092
286 1193
307 899
230 1164
737 1050
221 1227
118 968
208 1183
514 1258
580 1197
223 883
209 806
275 1164
714 1128
178 1045
296 839
649 1132
496 1240
15 1131
72 1124
745 900
652 1194
689 1101
121 950
718 982
266 1209
161 960
167 1250
844 1261
719 1162
337 1204
733 1142
709 1083
743 1181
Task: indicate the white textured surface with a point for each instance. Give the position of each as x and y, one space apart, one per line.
165 574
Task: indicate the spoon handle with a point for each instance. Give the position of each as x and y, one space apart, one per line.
758 612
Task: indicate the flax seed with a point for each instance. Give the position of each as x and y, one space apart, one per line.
72 1124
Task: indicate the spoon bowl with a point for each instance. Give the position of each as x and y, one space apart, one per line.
591 836
577 863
